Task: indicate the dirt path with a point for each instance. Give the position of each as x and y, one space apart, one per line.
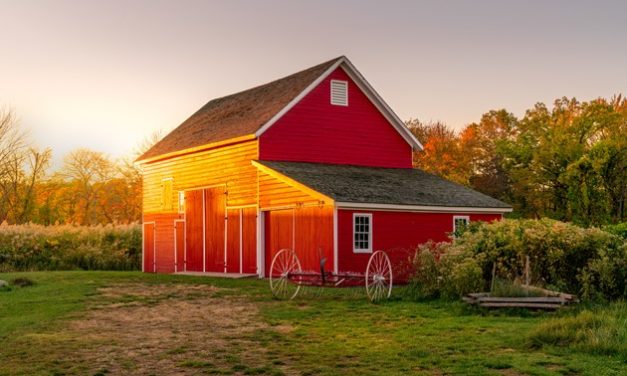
170 330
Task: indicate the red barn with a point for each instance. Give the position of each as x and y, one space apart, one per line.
315 161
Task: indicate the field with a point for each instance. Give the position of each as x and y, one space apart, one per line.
99 323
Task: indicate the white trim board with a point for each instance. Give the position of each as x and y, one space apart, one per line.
421 208
365 87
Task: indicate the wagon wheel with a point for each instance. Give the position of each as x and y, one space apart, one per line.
283 264
379 277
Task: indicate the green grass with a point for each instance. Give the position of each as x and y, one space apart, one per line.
326 332
600 330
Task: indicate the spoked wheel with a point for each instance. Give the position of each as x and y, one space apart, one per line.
284 264
379 277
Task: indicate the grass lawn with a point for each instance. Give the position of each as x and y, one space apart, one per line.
99 323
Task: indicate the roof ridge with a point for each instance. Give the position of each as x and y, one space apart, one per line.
279 79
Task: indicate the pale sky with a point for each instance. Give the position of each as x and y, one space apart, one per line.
106 74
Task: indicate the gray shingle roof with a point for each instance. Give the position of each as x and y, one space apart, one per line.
238 114
375 185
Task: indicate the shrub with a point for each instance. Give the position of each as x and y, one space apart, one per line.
425 283
449 275
588 262
36 247
460 276
605 276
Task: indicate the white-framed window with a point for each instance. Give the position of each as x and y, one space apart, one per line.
362 233
181 202
339 93
460 222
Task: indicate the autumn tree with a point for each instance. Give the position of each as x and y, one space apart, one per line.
86 171
441 153
567 162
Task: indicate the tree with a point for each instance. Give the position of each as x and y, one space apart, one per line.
21 169
441 154
87 171
483 144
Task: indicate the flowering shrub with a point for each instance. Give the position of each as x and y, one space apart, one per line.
590 262
63 247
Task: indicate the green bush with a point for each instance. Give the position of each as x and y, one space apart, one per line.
447 275
460 276
63 247
425 283
586 261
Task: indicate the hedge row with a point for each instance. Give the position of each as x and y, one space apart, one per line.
67 247
589 262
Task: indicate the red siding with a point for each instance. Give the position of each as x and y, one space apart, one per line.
308 230
249 240
149 247
233 246
215 201
316 131
194 231
397 233
179 245
163 240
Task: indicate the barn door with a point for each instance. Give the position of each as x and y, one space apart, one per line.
149 247
279 233
241 240
233 241
179 246
249 240
194 230
215 228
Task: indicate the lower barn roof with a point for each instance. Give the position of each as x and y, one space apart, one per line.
376 185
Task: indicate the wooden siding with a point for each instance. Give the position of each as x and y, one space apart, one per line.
149 247
163 240
233 244
179 246
215 206
229 165
275 193
398 233
193 231
307 230
316 131
249 240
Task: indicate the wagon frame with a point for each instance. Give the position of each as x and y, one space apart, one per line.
286 276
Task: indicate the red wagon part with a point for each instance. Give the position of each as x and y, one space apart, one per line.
286 276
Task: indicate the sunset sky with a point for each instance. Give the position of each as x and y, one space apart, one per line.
106 74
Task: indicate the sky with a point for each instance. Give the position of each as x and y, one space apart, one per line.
107 74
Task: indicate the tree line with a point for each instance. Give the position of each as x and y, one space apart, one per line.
567 162
88 189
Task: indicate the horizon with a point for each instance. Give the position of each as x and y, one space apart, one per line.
105 76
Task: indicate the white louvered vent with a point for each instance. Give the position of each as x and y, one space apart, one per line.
339 93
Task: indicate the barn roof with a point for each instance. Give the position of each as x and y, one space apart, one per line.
238 114
386 186
252 111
